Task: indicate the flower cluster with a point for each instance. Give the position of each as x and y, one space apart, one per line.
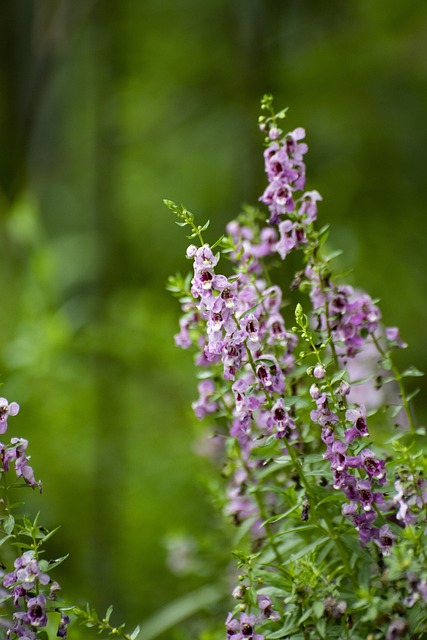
16 451
303 473
29 597
24 584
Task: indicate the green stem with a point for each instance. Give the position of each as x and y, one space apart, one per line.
331 531
399 379
262 512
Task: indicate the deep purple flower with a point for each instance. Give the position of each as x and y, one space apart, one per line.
385 539
360 428
322 415
36 612
366 496
374 468
244 629
63 626
338 458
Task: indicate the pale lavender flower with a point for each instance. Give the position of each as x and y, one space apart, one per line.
393 337
7 410
266 607
205 405
26 573
397 629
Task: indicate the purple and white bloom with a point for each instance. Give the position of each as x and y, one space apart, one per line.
385 539
339 460
280 420
266 607
26 573
7 410
308 206
244 629
366 496
36 615
360 427
22 468
374 468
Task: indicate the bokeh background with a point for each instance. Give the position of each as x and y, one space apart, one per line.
106 108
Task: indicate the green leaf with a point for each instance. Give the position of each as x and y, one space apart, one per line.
279 517
46 536
8 524
334 497
412 372
135 633
338 376
413 394
318 609
54 563
303 527
333 254
310 547
108 613
396 410
387 364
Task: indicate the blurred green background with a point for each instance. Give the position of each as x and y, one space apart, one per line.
106 108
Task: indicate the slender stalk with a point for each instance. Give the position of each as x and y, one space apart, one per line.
399 379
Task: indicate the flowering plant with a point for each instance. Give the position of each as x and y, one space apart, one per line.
323 460
29 597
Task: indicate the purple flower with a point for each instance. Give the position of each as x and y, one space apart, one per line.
319 371
63 626
280 419
36 612
244 629
339 461
22 468
397 629
308 206
374 468
360 428
205 405
6 410
27 571
393 337
366 496
323 415
266 607
385 539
